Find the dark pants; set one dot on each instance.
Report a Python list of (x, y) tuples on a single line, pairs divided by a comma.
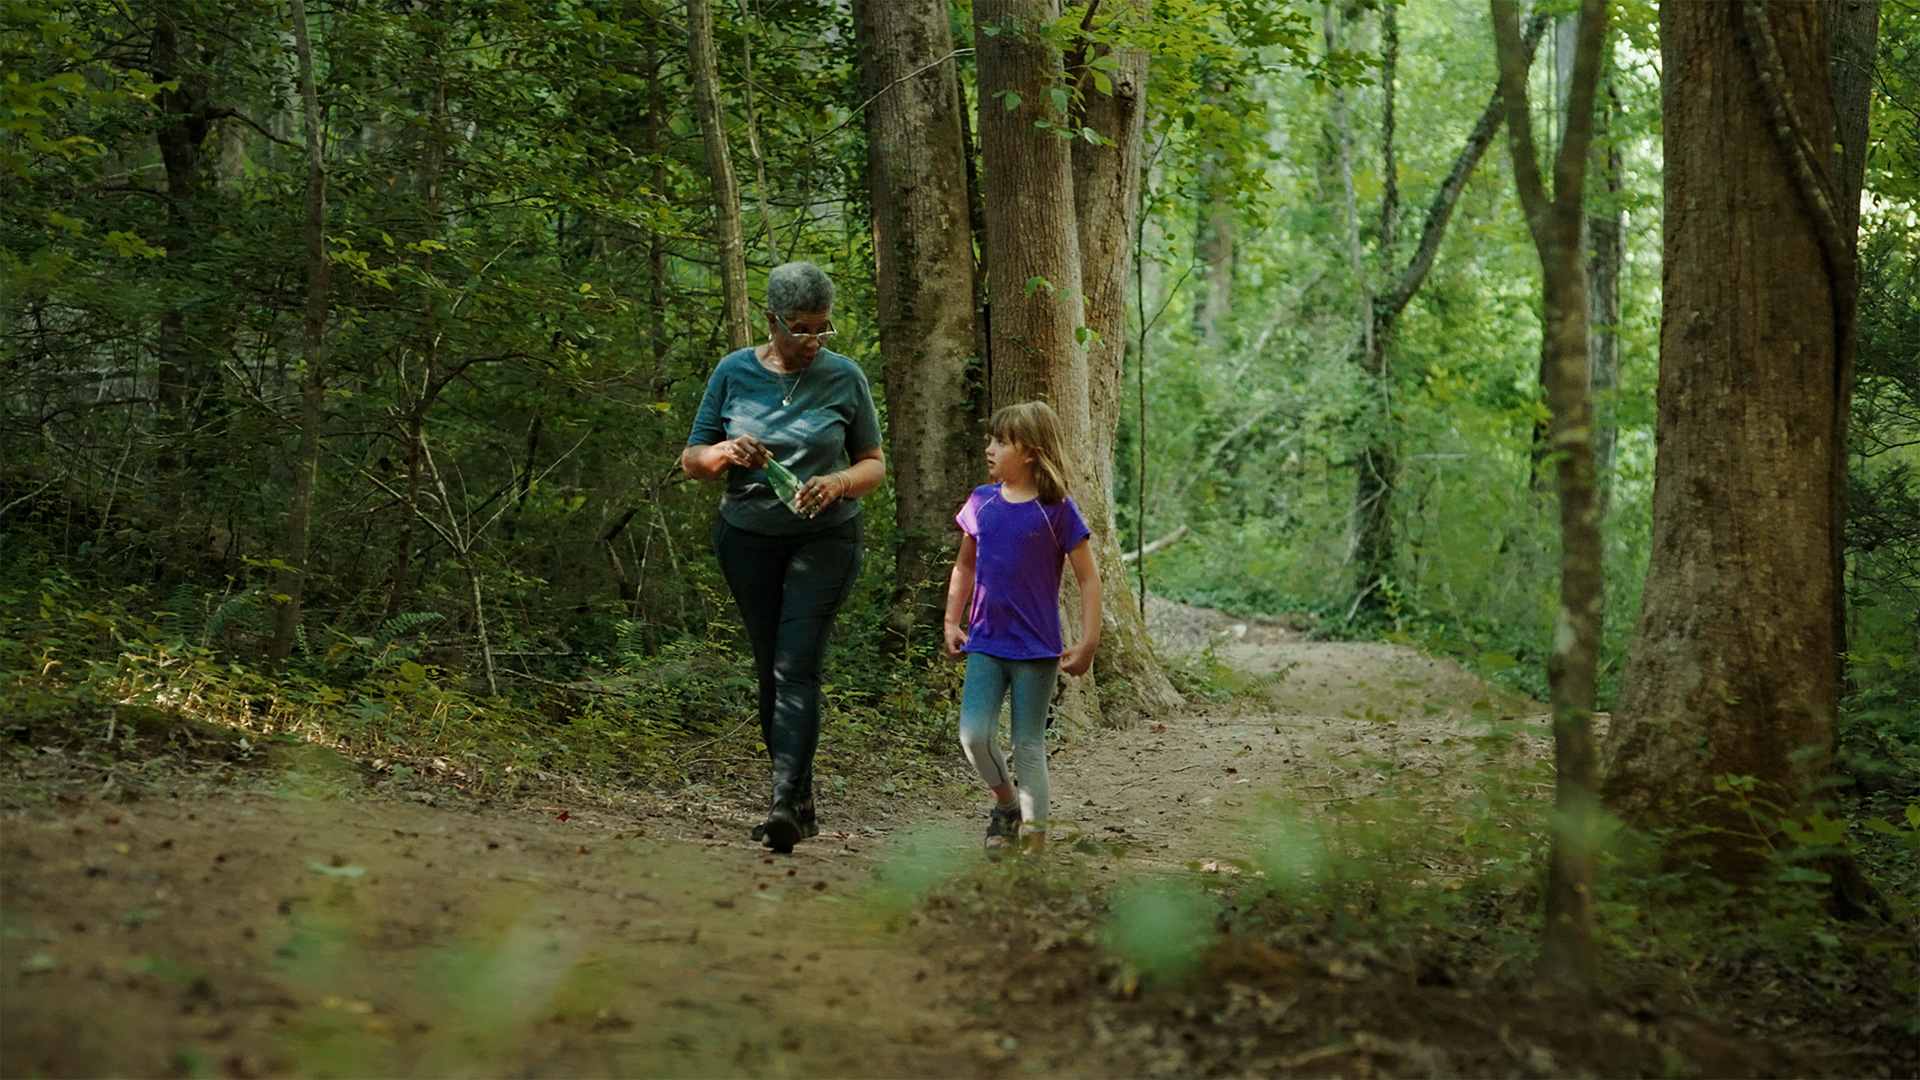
[(788, 589)]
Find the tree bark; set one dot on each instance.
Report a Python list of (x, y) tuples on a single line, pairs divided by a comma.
[(1568, 955), (924, 288), (195, 326), (1106, 195), (291, 580), (1731, 679), (184, 165), (1032, 249), (729, 236), (1035, 300)]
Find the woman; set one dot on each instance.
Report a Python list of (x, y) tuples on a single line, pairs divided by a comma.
[(789, 565)]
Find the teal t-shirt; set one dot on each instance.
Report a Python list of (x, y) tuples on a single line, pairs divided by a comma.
[(813, 423)]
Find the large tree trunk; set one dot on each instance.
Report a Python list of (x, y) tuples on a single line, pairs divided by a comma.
[(1106, 194), (729, 237), (292, 580), (1557, 221), (1035, 300), (924, 288), (1032, 250), (1732, 670)]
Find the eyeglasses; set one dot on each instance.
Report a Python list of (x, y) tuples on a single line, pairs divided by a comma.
[(804, 338)]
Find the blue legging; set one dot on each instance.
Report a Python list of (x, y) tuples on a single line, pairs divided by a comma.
[(788, 589), (989, 681)]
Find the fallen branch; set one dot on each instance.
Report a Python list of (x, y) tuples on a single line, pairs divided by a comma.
[(1136, 554)]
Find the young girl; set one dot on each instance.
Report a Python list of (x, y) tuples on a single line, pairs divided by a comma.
[(1018, 531)]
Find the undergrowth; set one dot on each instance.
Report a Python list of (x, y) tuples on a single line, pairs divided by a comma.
[(115, 678), (1440, 891)]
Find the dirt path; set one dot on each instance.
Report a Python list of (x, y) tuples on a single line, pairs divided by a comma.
[(256, 935)]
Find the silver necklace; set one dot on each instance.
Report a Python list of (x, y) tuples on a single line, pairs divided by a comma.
[(788, 388)]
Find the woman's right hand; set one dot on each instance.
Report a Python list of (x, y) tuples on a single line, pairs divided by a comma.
[(745, 451), (956, 641)]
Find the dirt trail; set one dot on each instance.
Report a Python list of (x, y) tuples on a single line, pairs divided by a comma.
[(254, 935)]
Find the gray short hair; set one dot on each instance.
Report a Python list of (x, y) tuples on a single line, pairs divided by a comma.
[(797, 287)]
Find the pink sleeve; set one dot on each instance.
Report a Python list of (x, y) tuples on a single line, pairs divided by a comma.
[(969, 516)]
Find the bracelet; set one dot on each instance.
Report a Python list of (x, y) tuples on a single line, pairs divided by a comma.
[(846, 484)]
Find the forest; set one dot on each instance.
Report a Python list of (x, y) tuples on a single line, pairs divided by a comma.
[(1498, 426)]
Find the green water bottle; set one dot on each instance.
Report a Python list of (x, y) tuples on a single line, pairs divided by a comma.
[(785, 484)]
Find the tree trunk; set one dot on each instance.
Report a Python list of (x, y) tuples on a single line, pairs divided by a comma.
[(1605, 243), (183, 163), (704, 70), (923, 285), (1035, 300), (1032, 250), (1731, 678), (1556, 221), (1106, 195), (413, 431), (1853, 32), (291, 581), (1606, 253), (194, 327), (1378, 463)]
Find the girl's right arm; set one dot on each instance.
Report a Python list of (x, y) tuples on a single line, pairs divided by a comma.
[(959, 594)]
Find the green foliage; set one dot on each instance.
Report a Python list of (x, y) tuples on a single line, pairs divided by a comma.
[(1160, 929), (1883, 491), (1453, 889)]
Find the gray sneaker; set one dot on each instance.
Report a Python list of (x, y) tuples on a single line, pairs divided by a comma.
[(1003, 828)]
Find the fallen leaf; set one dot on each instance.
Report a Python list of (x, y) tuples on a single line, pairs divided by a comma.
[(336, 871)]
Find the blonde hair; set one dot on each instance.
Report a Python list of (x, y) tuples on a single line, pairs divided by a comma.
[(1034, 426)]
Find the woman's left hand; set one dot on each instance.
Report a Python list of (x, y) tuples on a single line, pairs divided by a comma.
[(820, 492)]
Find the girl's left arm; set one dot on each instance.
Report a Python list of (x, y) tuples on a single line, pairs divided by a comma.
[(1079, 659)]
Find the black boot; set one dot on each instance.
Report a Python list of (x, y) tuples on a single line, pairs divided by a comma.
[(803, 813), (803, 816), (782, 828)]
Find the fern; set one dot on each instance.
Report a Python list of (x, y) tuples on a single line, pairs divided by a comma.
[(230, 609), (632, 639), (400, 625), (184, 608), (394, 658)]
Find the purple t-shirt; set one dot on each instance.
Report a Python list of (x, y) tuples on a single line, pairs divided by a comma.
[(1019, 551)]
